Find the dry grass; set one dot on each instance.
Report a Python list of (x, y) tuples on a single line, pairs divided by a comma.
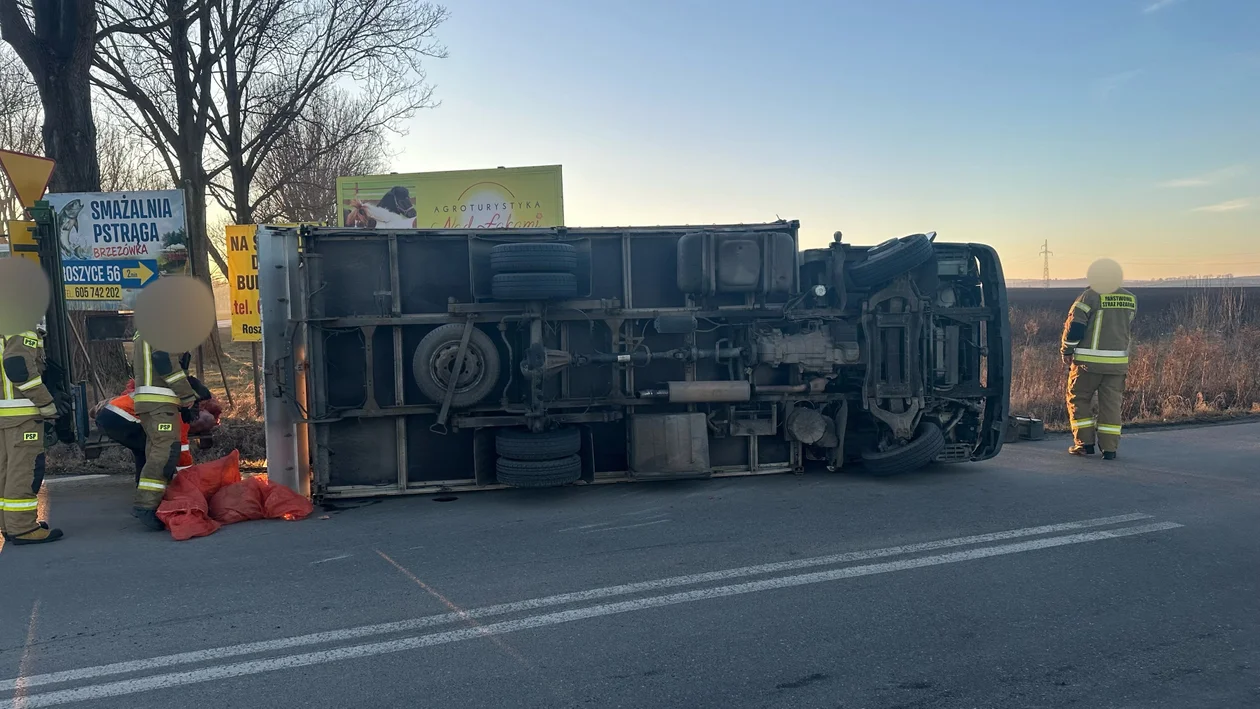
[(1197, 359)]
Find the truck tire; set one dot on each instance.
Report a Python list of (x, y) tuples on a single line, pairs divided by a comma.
[(434, 360), (533, 256), (927, 443), (539, 473), (521, 444), (891, 259), (534, 286)]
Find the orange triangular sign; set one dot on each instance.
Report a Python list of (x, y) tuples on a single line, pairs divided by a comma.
[(28, 174)]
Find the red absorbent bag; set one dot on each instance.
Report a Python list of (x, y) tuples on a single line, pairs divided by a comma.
[(184, 510), (214, 474), (283, 503), (240, 501)]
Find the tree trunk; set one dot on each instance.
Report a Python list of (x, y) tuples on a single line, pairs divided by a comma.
[(70, 130)]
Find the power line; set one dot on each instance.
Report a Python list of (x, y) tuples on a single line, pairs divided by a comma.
[(1045, 264)]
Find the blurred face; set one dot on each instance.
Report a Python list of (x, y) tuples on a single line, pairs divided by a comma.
[(1105, 276)]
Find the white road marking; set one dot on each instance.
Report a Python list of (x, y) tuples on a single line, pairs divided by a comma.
[(332, 558), (253, 667), (643, 512), (625, 526), (585, 526), (547, 601)]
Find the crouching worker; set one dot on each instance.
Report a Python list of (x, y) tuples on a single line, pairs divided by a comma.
[(162, 390), (25, 404), (118, 420)]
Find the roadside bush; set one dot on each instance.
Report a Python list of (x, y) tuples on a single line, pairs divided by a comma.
[(1199, 357)]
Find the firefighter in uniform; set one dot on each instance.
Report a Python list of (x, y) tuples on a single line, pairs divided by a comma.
[(162, 389), (25, 404), (119, 422), (1096, 340)]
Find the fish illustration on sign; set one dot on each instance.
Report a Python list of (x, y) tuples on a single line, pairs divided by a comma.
[(68, 218)]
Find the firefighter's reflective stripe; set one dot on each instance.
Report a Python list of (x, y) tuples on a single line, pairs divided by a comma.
[(1098, 321), (172, 378), (155, 395), (18, 407), (1108, 428), (1082, 423), (1097, 356), (31, 384), (1083, 307), (151, 484), (122, 414), (27, 505)]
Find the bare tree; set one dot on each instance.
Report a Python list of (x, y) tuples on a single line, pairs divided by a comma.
[(128, 163), (55, 39), (296, 181), (19, 122), (283, 61), (159, 80)]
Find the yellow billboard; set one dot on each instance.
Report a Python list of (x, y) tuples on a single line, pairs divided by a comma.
[(502, 198), (242, 261)]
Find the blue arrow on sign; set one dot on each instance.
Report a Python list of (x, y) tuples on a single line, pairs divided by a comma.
[(139, 273), (127, 273)]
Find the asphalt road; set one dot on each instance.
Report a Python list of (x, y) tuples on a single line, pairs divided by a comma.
[(1035, 580)]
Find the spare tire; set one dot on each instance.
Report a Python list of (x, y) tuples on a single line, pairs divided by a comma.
[(891, 259), (539, 473), (532, 257), (534, 286), (928, 442), (522, 444), (434, 362)]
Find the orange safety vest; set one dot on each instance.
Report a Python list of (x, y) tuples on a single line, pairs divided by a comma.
[(125, 406)]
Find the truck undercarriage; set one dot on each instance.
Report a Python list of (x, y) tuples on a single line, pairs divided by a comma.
[(417, 361)]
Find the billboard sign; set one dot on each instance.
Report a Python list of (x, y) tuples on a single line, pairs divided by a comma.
[(242, 261), (115, 243), (502, 198)]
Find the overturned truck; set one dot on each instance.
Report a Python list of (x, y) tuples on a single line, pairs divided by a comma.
[(427, 360)]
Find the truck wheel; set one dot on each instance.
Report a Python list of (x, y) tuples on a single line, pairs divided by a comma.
[(434, 363), (534, 286), (539, 473), (520, 444), (927, 443), (891, 259), (533, 256)]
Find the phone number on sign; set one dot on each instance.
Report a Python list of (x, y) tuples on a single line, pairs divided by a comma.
[(93, 292)]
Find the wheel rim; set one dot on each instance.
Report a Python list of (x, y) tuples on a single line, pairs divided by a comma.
[(442, 366)]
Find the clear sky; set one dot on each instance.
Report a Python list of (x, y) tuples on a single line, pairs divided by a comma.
[(1122, 128)]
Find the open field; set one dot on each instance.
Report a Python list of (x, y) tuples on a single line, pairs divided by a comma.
[(1150, 300), (1197, 354)]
